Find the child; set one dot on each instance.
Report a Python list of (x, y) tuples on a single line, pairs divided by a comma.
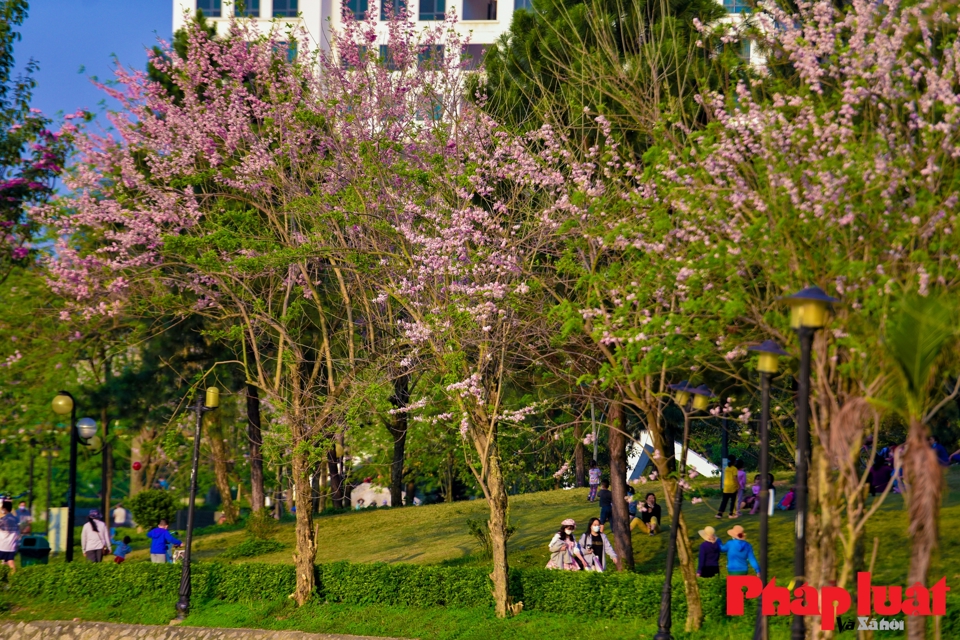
[(594, 480), (787, 503), (123, 548)]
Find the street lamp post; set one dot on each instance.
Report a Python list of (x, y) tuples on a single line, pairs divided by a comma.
[(64, 404), (770, 353), (808, 312), (202, 405), (33, 455), (701, 395)]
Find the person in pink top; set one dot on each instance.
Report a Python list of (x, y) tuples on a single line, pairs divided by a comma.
[(9, 535)]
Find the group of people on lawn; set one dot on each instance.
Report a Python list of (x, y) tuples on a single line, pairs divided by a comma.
[(592, 551)]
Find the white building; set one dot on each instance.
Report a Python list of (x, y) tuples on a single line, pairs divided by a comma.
[(482, 20)]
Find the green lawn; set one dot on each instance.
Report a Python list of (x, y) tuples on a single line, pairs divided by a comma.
[(438, 534)]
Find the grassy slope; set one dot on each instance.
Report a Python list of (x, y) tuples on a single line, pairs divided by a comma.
[(438, 533)]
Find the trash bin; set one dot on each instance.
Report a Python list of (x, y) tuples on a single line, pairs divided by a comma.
[(34, 549)]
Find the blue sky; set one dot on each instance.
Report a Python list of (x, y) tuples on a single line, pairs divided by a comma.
[(65, 36)]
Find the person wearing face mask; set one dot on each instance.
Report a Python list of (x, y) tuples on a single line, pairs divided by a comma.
[(596, 547), (565, 553)]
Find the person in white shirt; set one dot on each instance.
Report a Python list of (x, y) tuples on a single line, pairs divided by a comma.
[(9, 534), (95, 538), (119, 516)]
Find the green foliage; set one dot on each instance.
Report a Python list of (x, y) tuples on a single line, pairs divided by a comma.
[(480, 530), (252, 547), (261, 525), (611, 594), (151, 506)]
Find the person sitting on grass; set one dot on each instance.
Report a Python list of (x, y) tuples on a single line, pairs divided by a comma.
[(649, 512), (159, 539), (123, 548), (786, 504), (739, 553)]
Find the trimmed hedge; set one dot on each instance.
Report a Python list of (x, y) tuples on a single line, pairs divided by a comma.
[(611, 594)]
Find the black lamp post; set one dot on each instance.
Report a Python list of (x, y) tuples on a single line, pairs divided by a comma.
[(33, 455), (770, 353), (701, 400), (808, 312), (211, 402), (64, 404)]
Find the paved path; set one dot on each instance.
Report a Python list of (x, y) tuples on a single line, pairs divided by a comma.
[(61, 630)]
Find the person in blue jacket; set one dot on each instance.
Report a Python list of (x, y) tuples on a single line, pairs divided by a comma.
[(159, 539), (739, 553)]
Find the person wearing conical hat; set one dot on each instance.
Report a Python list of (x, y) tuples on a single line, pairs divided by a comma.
[(739, 553), (709, 565)]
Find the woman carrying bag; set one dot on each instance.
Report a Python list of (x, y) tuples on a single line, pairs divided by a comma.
[(94, 538), (565, 553), (596, 547)]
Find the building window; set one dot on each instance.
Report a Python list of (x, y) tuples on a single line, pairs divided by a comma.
[(248, 8), (745, 50), (430, 56), (395, 6), (386, 58), (522, 4), (473, 55), (210, 8), (358, 8), (285, 8), (736, 6), (433, 9), (479, 9)]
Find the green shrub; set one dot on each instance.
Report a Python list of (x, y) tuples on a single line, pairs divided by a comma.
[(261, 525), (612, 595), (252, 547), (151, 506)]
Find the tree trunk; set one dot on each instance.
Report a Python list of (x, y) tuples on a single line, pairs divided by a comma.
[(315, 488), (306, 546), (448, 478), (106, 473), (255, 437), (218, 450), (398, 429), (579, 466), (618, 486), (336, 479), (498, 531), (925, 478), (278, 495), (688, 561)]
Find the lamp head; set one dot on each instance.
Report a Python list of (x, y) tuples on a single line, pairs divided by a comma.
[(86, 428), (701, 397), (808, 308), (681, 393), (62, 404), (212, 400), (770, 353)]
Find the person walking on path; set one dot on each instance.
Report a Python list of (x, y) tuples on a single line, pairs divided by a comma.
[(565, 553), (95, 538), (594, 480), (9, 535), (730, 486), (596, 547), (123, 548), (739, 553), (159, 538), (709, 563), (606, 503), (649, 512)]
